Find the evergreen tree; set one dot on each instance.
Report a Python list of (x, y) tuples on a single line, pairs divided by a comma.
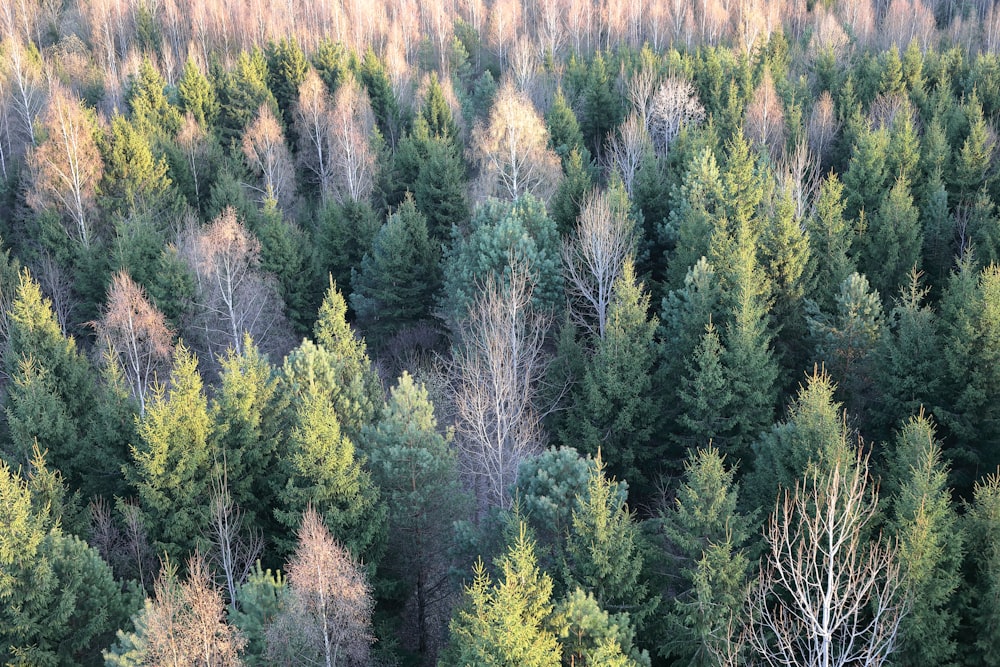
[(436, 113), (590, 636), (705, 399), (416, 469), (343, 234), (604, 551), (696, 211), (706, 537), (399, 277), (173, 461), (982, 524), (565, 136), (565, 204), (930, 545), (286, 70), (614, 408), (505, 623), (373, 75), (829, 243), (152, 113), (889, 247), (866, 175), (602, 109), (972, 162), (197, 95), (133, 178), (242, 91)]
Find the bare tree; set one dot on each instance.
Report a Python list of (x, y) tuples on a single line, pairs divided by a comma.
[(823, 126), (593, 258), (503, 26), (495, 374), (675, 105), (186, 622), (828, 594), (764, 123), (328, 619), (512, 149), (313, 123), (67, 166), (625, 148), (24, 91), (799, 173), (640, 89), (134, 336), (234, 297), (353, 159), (235, 546), (191, 138), (268, 157)]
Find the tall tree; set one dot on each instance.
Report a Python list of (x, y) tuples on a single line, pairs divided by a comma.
[(512, 150), (417, 471), (66, 168), (505, 622), (329, 613), (982, 522), (173, 462), (707, 537), (930, 545), (352, 126), (269, 159)]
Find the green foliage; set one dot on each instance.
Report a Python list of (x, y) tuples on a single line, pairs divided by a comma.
[(174, 462), (399, 277), (286, 70), (982, 524), (152, 113), (262, 598), (504, 623), (133, 178), (706, 538), (343, 234), (705, 398), (197, 95), (331, 61), (604, 551), (930, 545), (590, 636), (696, 210), (829, 242), (890, 243), (241, 92), (572, 191), (502, 235), (565, 136), (613, 408)]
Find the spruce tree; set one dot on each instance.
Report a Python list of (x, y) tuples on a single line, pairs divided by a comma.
[(982, 525), (829, 242), (930, 545), (890, 247), (197, 95)]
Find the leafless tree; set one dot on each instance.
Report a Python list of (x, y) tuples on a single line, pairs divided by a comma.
[(764, 123), (675, 105), (67, 166), (859, 16), (829, 595), (512, 149), (828, 34), (24, 91), (313, 124), (191, 138), (235, 546), (234, 297), (503, 26), (799, 173), (134, 336), (625, 148), (268, 158), (353, 159), (886, 107), (56, 282), (523, 64), (186, 622), (640, 89), (906, 21), (328, 619), (823, 126), (593, 258), (496, 372)]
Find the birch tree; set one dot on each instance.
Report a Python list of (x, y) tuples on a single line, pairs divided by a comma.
[(353, 164), (268, 157)]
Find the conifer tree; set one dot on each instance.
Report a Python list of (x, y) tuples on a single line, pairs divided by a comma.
[(399, 277), (829, 242), (173, 461), (889, 249), (152, 113), (696, 211), (565, 205), (705, 398), (982, 524), (504, 623), (614, 408), (589, 635), (706, 537), (197, 95), (930, 545)]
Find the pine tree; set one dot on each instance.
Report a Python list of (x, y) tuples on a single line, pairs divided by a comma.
[(930, 545), (706, 537), (504, 623), (174, 463), (589, 635), (416, 469), (399, 277)]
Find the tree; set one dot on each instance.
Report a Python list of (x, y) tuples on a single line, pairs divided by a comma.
[(889, 248), (590, 636), (604, 550), (417, 471), (134, 336), (269, 159), (313, 124), (707, 538), (495, 375), (353, 158), (505, 238), (625, 149), (614, 408), (328, 616), (133, 179), (594, 259), (764, 120), (512, 152), (930, 545), (173, 461), (829, 243), (241, 92), (505, 623), (828, 594), (675, 105), (398, 278), (982, 520), (67, 166), (704, 396), (152, 113), (233, 296)]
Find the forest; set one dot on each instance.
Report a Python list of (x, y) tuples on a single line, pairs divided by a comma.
[(500, 332)]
